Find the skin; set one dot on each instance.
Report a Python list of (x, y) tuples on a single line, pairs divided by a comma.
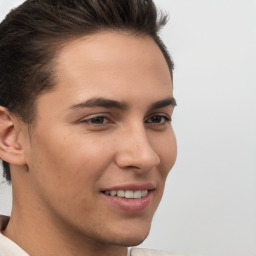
[(67, 158)]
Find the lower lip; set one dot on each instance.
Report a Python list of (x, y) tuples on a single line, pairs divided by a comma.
[(130, 205)]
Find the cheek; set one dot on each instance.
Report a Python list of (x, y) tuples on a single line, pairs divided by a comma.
[(65, 160), (171, 154), (166, 148), (65, 172)]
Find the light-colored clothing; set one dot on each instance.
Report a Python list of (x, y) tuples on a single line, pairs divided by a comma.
[(150, 252), (9, 248)]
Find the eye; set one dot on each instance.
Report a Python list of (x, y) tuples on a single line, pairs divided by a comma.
[(96, 120), (158, 119)]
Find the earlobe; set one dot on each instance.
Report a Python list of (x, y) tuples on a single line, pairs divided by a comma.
[(11, 150)]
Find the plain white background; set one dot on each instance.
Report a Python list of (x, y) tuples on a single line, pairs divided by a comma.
[(209, 205)]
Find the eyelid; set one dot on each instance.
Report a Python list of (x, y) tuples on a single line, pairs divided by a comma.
[(167, 120), (88, 118), (159, 114)]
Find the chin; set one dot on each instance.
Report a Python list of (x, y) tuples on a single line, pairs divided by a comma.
[(132, 238), (128, 241)]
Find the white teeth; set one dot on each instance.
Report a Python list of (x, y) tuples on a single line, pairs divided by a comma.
[(144, 193), (113, 193), (137, 194), (120, 193), (128, 193)]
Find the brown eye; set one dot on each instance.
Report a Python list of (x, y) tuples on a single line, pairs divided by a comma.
[(97, 120), (158, 119)]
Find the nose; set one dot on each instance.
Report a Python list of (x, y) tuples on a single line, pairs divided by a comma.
[(136, 152)]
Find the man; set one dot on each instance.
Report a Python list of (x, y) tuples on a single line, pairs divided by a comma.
[(85, 125)]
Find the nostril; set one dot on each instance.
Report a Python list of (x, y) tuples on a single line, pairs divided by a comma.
[(131, 161), (132, 167)]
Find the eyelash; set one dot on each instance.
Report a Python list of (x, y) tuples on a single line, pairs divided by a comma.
[(164, 119), (89, 120)]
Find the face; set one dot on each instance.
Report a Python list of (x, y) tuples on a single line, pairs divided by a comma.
[(103, 144)]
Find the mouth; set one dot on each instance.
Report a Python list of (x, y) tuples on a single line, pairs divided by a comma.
[(129, 199), (129, 194)]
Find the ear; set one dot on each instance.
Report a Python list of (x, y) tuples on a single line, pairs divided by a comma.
[(10, 148)]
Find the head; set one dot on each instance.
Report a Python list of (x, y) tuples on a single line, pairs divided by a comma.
[(33, 34), (86, 87)]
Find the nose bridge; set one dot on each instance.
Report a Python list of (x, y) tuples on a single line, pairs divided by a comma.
[(136, 150)]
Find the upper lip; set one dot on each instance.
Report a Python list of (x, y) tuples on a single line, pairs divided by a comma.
[(133, 187)]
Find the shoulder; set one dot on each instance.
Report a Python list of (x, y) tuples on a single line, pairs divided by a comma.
[(151, 252)]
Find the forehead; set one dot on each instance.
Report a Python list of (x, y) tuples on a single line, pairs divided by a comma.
[(109, 44), (108, 49), (113, 56)]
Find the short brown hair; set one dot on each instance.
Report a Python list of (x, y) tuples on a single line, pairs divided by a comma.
[(32, 34)]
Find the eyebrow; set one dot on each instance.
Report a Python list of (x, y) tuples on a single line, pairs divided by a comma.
[(101, 102), (164, 103), (108, 103)]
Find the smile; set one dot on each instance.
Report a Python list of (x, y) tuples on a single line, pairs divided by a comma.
[(130, 199), (127, 193)]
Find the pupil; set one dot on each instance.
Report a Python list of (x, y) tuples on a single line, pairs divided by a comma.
[(156, 119), (98, 120)]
